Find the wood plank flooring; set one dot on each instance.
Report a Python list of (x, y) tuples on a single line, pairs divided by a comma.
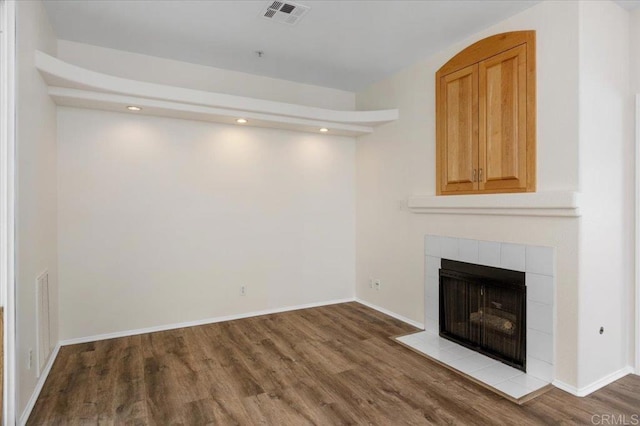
[(331, 365)]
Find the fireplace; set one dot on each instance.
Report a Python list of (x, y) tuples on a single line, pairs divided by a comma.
[(484, 309)]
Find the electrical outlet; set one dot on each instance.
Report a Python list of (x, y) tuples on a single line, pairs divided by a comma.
[(243, 290), (377, 284), (30, 360)]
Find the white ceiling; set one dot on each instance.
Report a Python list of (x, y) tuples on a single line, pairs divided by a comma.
[(629, 4), (341, 44)]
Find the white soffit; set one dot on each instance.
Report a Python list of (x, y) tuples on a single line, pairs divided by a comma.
[(70, 85)]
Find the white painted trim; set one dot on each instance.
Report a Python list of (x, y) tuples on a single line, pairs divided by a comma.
[(205, 321), (391, 314), (214, 320), (637, 235), (550, 203), (36, 392), (598, 384), (104, 90), (7, 203), (565, 387)]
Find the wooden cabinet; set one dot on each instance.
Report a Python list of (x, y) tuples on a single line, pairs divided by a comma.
[(486, 117), (459, 123)]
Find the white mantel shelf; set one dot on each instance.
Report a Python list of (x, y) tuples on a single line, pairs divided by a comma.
[(552, 203), (70, 85)]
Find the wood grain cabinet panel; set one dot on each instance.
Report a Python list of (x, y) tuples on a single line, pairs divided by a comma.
[(460, 129), (485, 117), (503, 114)]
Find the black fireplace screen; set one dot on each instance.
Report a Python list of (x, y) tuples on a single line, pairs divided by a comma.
[(484, 309)]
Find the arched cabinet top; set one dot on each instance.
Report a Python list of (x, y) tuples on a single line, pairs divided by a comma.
[(486, 48), (486, 117)]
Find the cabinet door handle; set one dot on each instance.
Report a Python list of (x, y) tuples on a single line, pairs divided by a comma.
[(473, 176), (480, 175)]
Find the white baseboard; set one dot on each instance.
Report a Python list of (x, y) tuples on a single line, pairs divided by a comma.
[(586, 390), (36, 392), (566, 387), (214, 320), (205, 321), (391, 314)]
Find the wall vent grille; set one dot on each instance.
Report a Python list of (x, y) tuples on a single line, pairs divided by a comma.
[(285, 12), (43, 319)]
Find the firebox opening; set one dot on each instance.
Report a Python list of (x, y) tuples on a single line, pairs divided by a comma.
[(484, 309)]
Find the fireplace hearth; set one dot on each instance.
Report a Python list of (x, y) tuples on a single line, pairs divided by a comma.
[(484, 309)]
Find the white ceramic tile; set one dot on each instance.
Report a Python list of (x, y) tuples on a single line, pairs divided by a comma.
[(422, 336), (539, 346), (530, 382), (439, 354), (449, 248), (540, 317), (442, 349), (425, 348), (539, 260), (472, 363), (448, 356), (539, 288), (432, 245), (489, 254), (435, 348), (468, 250), (495, 373), (539, 369), (512, 389), (460, 351), (512, 256), (430, 337), (431, 266), (439, 342), (407, 340), (432, 286), (432, 325), (432, 307)]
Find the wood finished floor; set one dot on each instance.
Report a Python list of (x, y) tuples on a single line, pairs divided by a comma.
[(325, 366)]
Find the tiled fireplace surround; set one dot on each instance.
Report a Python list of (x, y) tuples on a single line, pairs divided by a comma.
[(538, 264)]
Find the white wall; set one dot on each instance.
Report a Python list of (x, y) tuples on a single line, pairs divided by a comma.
[(165, 71), (634, 50), (161, 220), (607, 186), (398, 160), (36, 193)]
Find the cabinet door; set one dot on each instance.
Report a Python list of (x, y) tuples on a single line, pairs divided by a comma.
[(457, 131), (503, 121)]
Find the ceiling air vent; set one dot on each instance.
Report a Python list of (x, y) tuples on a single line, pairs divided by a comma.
[(285, 12)]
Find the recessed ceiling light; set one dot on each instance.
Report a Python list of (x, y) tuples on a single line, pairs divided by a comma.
[(324, 130), (241, 121), (134, 108)]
